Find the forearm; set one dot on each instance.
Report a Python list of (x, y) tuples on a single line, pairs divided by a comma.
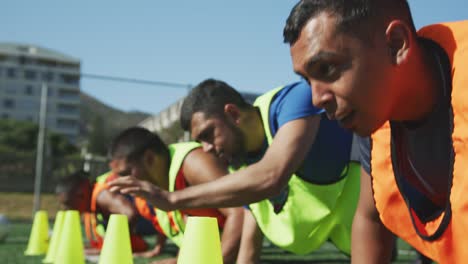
[(117, 204), (246, 186), (372, 243), (161, 240), (159, 245), (125, 208), (231, 235), (251, 241), (132, 216)]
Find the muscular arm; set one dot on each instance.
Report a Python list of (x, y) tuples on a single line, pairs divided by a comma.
[(258, 181), (115, 203), (261, 180), (199, 168), (251, 242), (371, 241)]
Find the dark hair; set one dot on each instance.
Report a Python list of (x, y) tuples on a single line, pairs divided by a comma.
[(75, 180), (131, 143), (359, 17), (209, 97)]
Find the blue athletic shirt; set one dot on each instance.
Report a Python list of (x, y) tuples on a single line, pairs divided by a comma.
[(330, 152)]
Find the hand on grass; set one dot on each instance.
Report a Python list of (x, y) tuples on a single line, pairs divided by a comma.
[(150, 253), (165, 261), (92, 251)]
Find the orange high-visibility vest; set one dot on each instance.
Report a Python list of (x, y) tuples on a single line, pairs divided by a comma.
[(94, 221), (443, 238), (147, 211)]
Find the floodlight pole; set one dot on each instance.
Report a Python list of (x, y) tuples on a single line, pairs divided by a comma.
[(40, 149)]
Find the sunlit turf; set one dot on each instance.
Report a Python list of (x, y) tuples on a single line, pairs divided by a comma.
[(11, 251)]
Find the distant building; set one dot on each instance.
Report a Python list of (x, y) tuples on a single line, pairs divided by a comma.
[(170, 115), (23, 69)]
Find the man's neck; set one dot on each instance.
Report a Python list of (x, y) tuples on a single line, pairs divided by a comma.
[(418, 93), (254, 131), (161, 174)]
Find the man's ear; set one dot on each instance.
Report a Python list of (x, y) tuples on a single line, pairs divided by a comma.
[(400, 39), (233, 112)]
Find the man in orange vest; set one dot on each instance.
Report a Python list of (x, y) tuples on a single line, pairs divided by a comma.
[(406, 91), (95, 204)]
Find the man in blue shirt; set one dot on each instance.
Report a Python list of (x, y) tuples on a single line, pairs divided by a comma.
[(300, 183)]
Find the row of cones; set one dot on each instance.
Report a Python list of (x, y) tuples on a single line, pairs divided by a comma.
[(201, 240), (66, 245)]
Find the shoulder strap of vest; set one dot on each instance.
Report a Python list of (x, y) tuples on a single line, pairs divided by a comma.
[(172, 224), (93, 234), (97, 188), (263, 103), (178, 152), (98, 219), (102, 178)]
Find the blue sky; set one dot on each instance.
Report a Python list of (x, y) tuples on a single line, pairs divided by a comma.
[(182, 41)]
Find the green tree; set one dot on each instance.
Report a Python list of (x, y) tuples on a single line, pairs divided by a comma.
[(60, 146), (99, 137), (21, 136), (18, 135)]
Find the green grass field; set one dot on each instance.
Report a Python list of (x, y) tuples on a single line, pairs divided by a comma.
[(17, 207), (11, 251)]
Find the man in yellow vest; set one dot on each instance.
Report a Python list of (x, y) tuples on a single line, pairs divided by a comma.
[(301, 190), (149, 162), (406, 90)]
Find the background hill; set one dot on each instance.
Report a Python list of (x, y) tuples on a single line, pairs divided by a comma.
[(99, 122)]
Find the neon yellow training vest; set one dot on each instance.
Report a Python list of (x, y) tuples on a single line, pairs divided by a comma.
[(178, 152), (312, 213)]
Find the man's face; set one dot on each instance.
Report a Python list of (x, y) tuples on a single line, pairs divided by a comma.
[(136, 168), (220, 136), (349, 79), (75, 199)]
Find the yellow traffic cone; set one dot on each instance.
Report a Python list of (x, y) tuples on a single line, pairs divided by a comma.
[(39, 237), (70, 248), (54, 240), (117, 248), (201, 243)]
